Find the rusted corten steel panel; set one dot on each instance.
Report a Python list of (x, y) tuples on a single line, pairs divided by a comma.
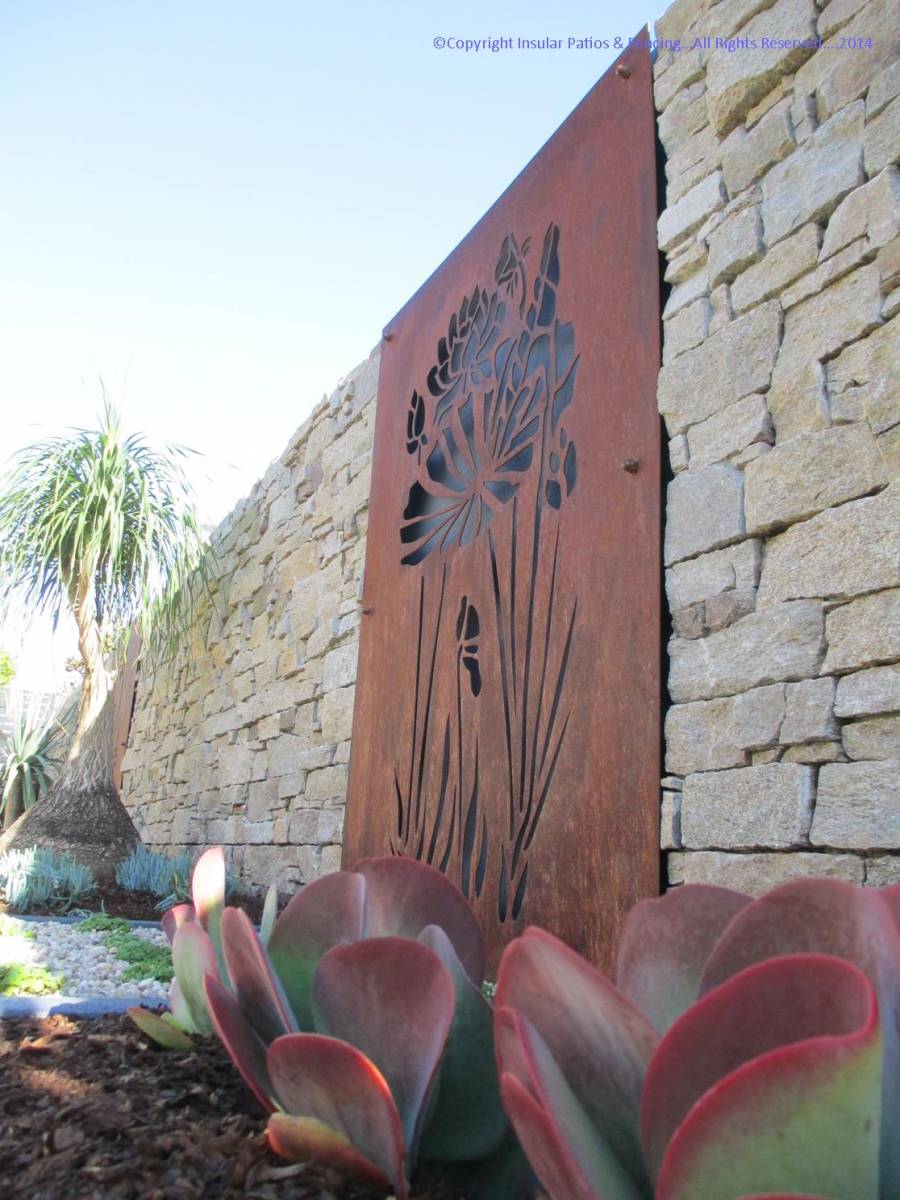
[(507, 721)]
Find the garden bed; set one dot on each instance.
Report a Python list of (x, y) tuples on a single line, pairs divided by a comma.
[(89, 1111), (117, 901)]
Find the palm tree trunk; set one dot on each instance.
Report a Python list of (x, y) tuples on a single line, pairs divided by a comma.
[(81, 813)]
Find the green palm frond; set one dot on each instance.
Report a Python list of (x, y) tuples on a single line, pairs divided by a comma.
[(113, 512)]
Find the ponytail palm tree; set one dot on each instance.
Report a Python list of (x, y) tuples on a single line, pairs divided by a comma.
[(101, 526)]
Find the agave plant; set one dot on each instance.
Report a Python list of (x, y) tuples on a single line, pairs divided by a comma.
[(357, 1018), (30, 764), (750, 1049)]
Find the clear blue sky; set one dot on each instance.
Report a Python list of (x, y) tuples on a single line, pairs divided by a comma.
[(217, 206)]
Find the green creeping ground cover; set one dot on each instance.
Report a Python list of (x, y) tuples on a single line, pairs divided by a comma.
[(11, 928), (21, 979), (146, 961)]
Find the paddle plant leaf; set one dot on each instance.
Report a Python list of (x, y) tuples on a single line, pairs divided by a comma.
[(158, 1029), (193, 957), (245, 1047), (393, 1000), (326, 913), (339, 1109), (208, 895), (467, 1120), (829, 916), (404, 896), (599, 1041), (176, 916), (256, 986), (664, 946), (771, 1081)]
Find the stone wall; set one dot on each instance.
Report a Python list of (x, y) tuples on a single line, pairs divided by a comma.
[(780, 397), (244, 739), (779, 391)]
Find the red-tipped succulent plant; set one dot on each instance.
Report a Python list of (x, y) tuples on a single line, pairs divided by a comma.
[(359, 1023), (750, 1049)]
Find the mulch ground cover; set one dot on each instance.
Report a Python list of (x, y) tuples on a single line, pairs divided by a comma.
[(134, 906), (89, 1111)]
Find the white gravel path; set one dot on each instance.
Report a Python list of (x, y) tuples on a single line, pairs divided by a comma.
[(89, 968)]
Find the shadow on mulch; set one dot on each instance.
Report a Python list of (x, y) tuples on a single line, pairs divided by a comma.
[(89, 1111)]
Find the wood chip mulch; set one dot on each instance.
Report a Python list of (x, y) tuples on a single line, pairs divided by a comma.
[(90, 1111)]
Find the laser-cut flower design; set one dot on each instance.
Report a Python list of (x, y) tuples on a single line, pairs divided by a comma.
[(468, 628), (510, 269), (471, 473), (415, 424), (465, 355)]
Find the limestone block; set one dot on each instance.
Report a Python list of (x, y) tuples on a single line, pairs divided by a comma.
[(882, 870), (685, 261), (781, 642), (677, 19), (872, 738), (727, 432), (728, 607), (735, 82), (883, 89), (876, 690), (811, 182), (683, 118), (862, 380), (670, 821), (262, 799), (704, 510), (783, 263), (695, 286), (735, 362), (882, 139), (837, 78), (769, 806), (340, 666), (858, 806), (757, 716), (688, 213), (734, 245), (686, 329), (698, 737), (686, 68), (827, 273), (328, 783), (757, 873), (841, 552), (695, 161), (689, 622), (283, 753), (719, 571), (814, 753), (809, 712), (747, 156), (872, 212), (810, 472), (837, 14), (235, 764), (864, 632), (336, 714), (330, 825), (678, 453), (722, 313), (814, 329)]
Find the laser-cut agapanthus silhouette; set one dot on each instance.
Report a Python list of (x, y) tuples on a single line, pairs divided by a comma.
[(487, 422)]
